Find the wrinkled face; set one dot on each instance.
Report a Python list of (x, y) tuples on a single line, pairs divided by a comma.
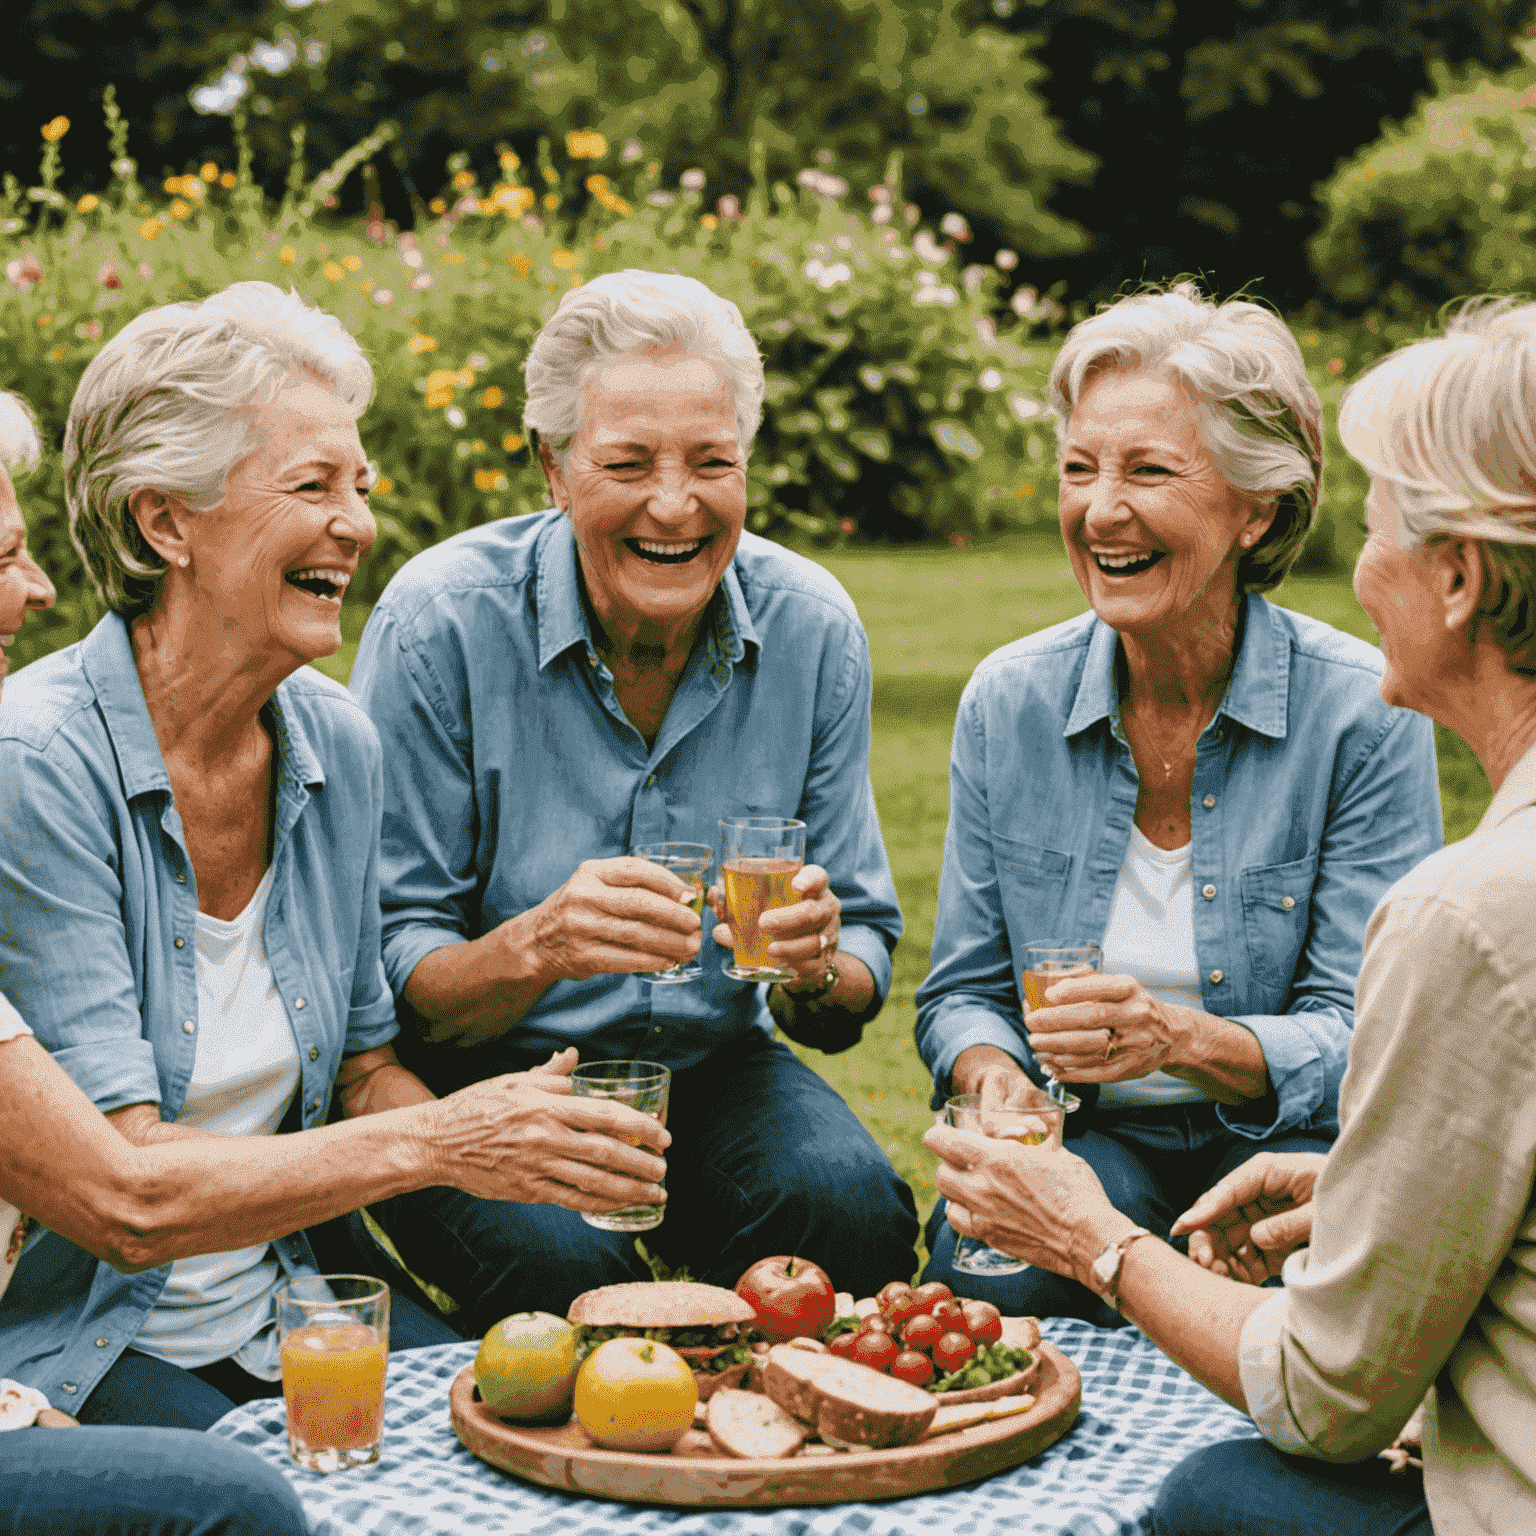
[(23, 586), (273, 561), (655, 487), (1150, 526)]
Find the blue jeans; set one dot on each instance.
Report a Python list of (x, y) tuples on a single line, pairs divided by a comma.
[(139, 1482), (140, 1390), (1154, 1164), (1248, 1488), (765, 1159)]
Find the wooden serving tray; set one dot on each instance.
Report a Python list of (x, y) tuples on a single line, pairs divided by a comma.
[(565, 1459)]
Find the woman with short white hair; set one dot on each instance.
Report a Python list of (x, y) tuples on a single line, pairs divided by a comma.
[(1205, 786), (189, 912), (1409, 1252)]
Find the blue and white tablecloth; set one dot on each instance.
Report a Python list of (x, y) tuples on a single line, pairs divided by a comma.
[(1141, 1416)]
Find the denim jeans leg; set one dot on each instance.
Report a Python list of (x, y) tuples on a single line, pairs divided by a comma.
[(1248, 1488), (140, 1482), (140, 1390)]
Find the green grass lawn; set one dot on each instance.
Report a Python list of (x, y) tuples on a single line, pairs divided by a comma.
[(932, 614)]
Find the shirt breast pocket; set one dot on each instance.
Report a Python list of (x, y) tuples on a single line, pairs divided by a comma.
[(1277, 899), (1032, 886)]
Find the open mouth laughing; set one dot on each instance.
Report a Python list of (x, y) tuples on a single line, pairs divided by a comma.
[(320, 581), (660, 552), (1126, 562)]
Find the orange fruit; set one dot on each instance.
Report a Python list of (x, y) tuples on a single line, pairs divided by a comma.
[(635, 1395), (526, 1368)]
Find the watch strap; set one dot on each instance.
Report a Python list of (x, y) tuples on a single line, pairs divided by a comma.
[(1106, 1268)]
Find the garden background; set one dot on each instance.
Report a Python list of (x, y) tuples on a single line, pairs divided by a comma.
[(909, 199)]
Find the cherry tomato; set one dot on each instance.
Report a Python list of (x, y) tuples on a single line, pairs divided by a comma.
[(983, 1322), (902, 1307), (947, 1311), (888, 1293), (842, 1345), (922, 1331), (935, 1290), (914, 1366), (877, 1324), (877, 1350), (952, 1351)]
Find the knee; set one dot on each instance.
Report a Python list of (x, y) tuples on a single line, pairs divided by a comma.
[(242, 1495), (1187, 1504)]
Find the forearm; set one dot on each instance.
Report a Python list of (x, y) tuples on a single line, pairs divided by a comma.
[(373, 1082), (1220, 1058), (852, 1002), (473, 993)]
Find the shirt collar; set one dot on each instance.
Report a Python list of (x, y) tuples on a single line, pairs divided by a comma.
[(562, 619), (1256, 695), (1516, 793)]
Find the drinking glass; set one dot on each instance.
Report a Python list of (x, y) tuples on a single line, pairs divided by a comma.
[(333, 1331), (643, 1085), (759, 856), (690, 862), (1044, 965), (1028, 1116)]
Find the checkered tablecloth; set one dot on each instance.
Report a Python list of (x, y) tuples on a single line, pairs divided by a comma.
[(1141, 1416)]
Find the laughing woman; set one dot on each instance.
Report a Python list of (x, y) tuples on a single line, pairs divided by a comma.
[(1207, 787)]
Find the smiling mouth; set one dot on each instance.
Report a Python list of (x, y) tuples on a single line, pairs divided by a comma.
[(657, 552), (321, 581), (1126, 565)]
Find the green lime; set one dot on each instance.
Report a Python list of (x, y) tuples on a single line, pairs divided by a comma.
[(526, 1368)]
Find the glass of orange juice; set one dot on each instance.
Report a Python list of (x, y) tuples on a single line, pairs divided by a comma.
[(335, 1346), (759, 856)]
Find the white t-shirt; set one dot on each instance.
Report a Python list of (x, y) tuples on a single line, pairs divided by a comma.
[(11, 1025), (1151, 936), (245, 1074)]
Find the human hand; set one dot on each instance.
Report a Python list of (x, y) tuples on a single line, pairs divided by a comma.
[(53, 1418), (804, 936), (1106, 1029), (614, 917), (524, 1137), (991, 1072), (1408, 1449), (1248, 1224)]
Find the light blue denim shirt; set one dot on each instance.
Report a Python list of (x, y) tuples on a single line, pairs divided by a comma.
[(508, 761), (98, 918), (1311, 797)]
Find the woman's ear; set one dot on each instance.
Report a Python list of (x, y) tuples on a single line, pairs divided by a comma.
[(555, 477), (1460, 581), (164, 523), (1260, 515)]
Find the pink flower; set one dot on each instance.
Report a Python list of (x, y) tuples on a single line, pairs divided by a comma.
[(376, 230), (145, 270), (23, 271), (108, 277), (847, 525), (1335, 364), (960, 540)]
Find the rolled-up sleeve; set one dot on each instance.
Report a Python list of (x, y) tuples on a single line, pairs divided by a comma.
[(371, 1015)]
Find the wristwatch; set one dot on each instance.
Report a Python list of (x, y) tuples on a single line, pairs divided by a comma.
[(1106, 1268), (827, 984)]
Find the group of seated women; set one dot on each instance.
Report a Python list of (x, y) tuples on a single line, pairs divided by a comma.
[(297, 975)]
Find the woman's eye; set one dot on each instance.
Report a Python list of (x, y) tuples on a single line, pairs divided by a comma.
[(313, 485), (1150, 469), (1074, 467)]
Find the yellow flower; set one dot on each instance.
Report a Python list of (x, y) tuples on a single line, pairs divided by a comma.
[(334, 271), (150, 228), (209, 172), (550, 175), (441, 378), (421, 344), (511, 442), (492, 398), (58, 354), (520, 262), (352, 263), (652, 167), (465, 378), (586, 146), (383, 486), (181, 210), (227, 180), (89, 203), (566, 261), (709, 221), (551, 201), (490, 480), (479, 446), (45, 320), (1026, 491), (287, 255), (598, 243), (55, 130), (509, 161), (437, 205), (464, 180), (437, 398), (512, 200), (455, 258)]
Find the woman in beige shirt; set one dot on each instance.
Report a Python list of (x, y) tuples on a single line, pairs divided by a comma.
[(1420, 1275)]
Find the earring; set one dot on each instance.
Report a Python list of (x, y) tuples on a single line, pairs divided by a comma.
[(184, 561), (1246, 540)]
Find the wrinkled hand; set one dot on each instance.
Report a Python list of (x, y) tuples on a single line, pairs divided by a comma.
[(614, 917), (1106, 1029), (1249, 1224), (991, 1072), (1024, 1201), (52, 1418), (804, 935), (1408, 1449), (523, 1137)]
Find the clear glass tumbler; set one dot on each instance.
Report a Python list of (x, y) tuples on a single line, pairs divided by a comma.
[(643, 1085), (759, 856), (1044, 965), (691, 863)]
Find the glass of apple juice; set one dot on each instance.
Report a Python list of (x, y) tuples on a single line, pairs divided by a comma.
[(759, 856), (334, 1332)]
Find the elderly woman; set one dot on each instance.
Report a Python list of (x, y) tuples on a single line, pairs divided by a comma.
[(558, 689), (1207, 787), (188, 882), (1421, 1271)]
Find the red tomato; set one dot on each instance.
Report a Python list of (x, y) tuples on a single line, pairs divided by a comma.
[(874, 1323), (935, 1290), (983, 1322), (842, 1345), (889, 1292), (914, 1366), (922, 1331), (876, 1350), (952, 1351), (947, 1311), (793, 1298), (902, 1307)]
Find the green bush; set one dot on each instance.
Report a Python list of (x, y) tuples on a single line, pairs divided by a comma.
[(896, 404), (1442, 204)]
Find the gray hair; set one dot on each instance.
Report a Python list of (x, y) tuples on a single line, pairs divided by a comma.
[(622, 313), (1449, 425), (160, 407), (21, 444), (1260, 418)]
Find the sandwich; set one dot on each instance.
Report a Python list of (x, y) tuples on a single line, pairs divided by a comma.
[(710, 1327)]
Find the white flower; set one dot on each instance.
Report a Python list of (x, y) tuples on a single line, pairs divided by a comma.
[(422, 280), (383, 296), (730, 207), (823, 182), (880, 214), (23, 271), (692, 180), (478, 361), (898, 253), (1006, 260), (841, 272), (454, 416), (929, 248), (1023, 302), (986, 331), (954, 225), (1025, 408), (632, 150), (662, 199), (990, 378), (814, 268), (880, 193), (935, 294), (412, 258), (467, 205), (971, 277), (843, 242)]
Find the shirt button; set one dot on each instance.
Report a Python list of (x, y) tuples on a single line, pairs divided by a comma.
[(314, 1053), (188, 1027), (181, 943), (101, 1343), (1287, 902), (314, 1104), (1209, 892), (298, 1002), (68, 1386), (1209, 802), (1217, 977)]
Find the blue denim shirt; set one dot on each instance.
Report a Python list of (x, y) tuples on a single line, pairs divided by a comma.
[(1311, 797), (98, 915), (508, 761)]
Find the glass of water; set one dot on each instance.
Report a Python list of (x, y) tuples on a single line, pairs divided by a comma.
[(643, 1085), (691, 863)]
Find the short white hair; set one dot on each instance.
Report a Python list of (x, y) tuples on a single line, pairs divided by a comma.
[(624, 313), (1260, 418), (160, 407), (21, 444), (1449, 425)]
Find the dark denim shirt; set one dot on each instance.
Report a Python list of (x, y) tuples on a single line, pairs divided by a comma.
[(98, 919), (508, 761), (1311, 797)]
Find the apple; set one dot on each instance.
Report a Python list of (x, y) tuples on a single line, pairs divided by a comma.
[(793, 1298)]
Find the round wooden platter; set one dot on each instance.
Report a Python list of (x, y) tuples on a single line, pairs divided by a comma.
[(566, 1460)]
